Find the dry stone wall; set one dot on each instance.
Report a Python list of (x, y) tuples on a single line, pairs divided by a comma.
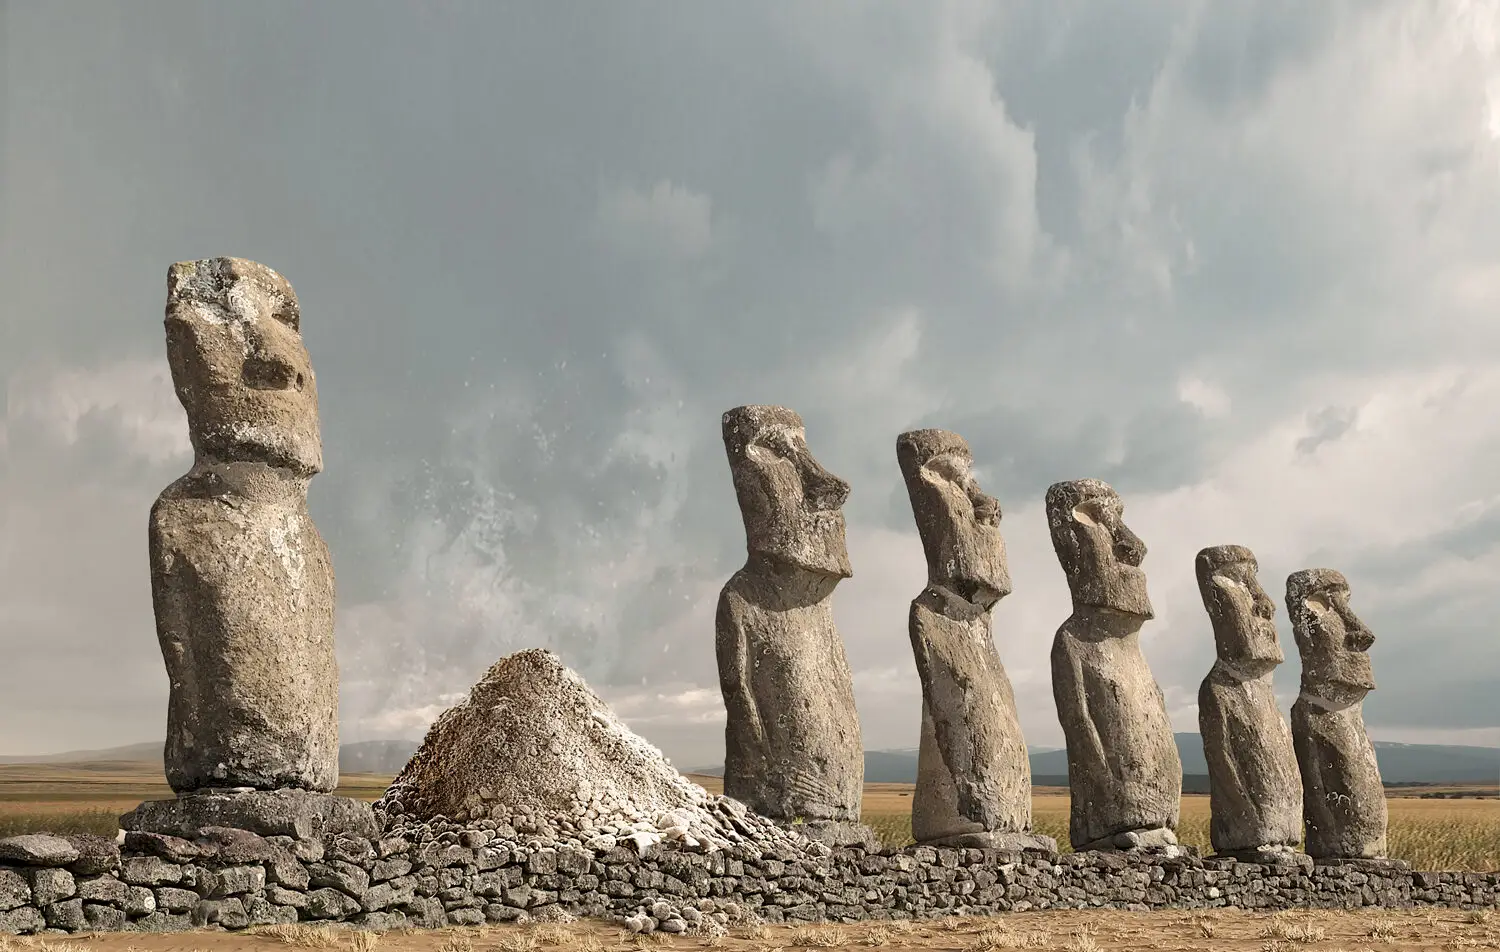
[(441, 876)]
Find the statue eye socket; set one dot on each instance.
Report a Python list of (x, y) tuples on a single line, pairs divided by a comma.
[(1090, 513), (288, 314)]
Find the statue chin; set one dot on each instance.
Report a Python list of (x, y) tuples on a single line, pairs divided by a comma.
[(821, 558), (982, 592)]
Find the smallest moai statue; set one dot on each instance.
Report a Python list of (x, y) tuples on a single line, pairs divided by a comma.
[(1342, 796), (1255, 792)]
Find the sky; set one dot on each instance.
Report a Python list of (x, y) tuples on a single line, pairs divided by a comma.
[(1240, 259)]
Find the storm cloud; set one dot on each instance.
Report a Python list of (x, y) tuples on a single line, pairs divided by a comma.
[(1237, 258)]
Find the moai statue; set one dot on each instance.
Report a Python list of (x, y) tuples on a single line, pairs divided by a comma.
[(1342, 797), (241, 581), (973, 771), (1124, 771), (792, 742), (1255, 792)]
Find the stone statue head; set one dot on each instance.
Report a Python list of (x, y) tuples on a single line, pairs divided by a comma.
[(1099, 554), (959, 524), (1330, 638), (1243, 615), (234, 344), (792, 506)]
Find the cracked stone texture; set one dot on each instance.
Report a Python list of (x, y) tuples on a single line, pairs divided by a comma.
[(301, 814), (792, 738), (1255, 788), (241, 581), (1123, 768), (1342, 796), (973, 772)]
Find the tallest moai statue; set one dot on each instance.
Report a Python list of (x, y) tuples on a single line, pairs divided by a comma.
[(792, 740), (240, 579)]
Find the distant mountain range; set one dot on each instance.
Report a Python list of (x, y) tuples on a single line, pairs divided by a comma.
[(372, 756), (1399, 763)]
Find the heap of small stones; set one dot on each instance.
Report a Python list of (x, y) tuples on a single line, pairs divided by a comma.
[(534, 756)]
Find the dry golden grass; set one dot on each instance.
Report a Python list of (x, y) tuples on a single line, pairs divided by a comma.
[(88, 798), (1430, 834)]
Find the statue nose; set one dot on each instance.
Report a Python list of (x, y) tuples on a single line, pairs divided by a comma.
[(986, 509), (1128, 547), (824, 490), (1359, 637)]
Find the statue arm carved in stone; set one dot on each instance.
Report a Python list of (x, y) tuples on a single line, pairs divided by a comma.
[(744, 714)]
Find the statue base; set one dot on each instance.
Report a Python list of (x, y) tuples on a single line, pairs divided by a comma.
[(1379, 865), (1285, 856), (1009, 842), (836, 833), (1159, 842), (301, 814)]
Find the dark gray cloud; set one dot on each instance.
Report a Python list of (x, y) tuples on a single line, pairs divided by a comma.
[(540, 250)]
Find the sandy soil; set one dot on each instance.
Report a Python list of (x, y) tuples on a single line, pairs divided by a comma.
[(1066, 931)]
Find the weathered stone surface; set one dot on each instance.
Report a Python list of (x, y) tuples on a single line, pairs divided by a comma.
[(533, 745), (14, 890), (973, 774), (99, 918), (52, 885), (1123, 768), (1342, 796), (296, 813), (229, 913), (37, 849), (96, 854), (241, 847), (139, 901), (149, 871), (330, 903), (173, 849), (67, 915), (1255, 789), (104, 888), (21, 921), (162, 922), (793, 745), (241, 581)]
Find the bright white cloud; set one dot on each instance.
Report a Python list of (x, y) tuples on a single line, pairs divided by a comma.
[(134, 394)]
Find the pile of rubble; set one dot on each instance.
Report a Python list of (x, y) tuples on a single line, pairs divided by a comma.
[(534, 755)]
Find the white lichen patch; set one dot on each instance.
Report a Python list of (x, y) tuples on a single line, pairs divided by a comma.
[(286, 537)]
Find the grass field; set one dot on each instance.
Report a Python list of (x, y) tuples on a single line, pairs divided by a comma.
[(89, 798), (1433, 834)]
